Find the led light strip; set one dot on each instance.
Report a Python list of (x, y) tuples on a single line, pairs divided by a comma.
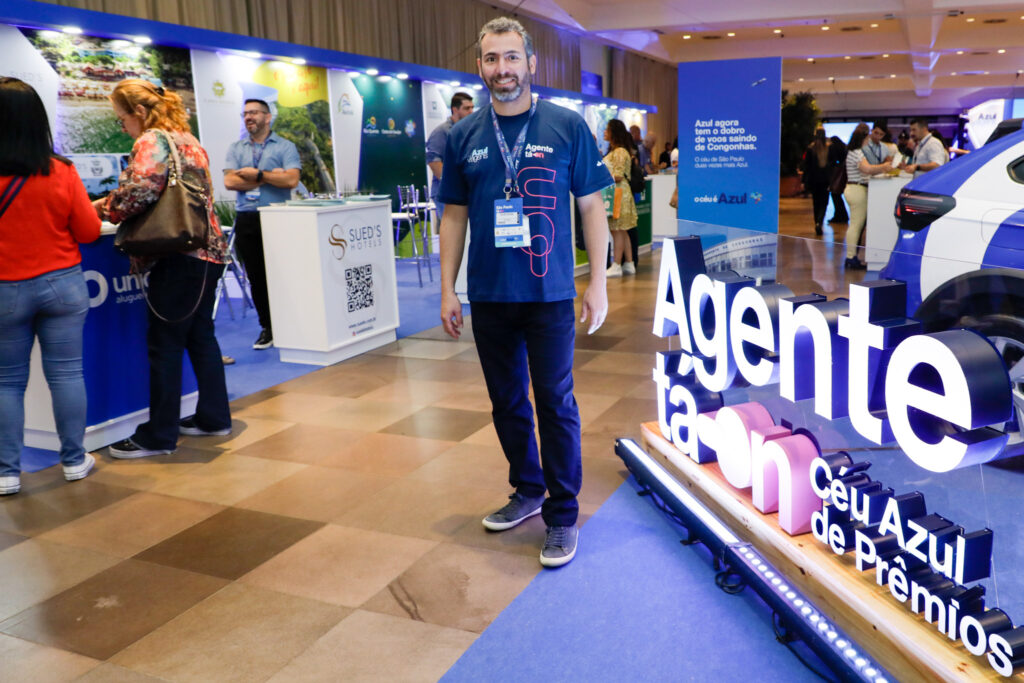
[(826, 639)]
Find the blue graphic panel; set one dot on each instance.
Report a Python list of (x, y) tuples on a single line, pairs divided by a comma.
[(729, 118)]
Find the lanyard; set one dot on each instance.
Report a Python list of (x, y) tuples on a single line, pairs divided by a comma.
[(511, 159), (256, 157), (920, 146)]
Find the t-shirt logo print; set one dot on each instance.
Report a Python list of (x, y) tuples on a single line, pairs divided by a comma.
[(542, 230)]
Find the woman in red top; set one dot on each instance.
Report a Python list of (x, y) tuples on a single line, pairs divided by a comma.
[(181, 288), (45, 215)]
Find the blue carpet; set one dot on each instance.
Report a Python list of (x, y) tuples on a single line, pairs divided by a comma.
[(633, 605), (418, 310)]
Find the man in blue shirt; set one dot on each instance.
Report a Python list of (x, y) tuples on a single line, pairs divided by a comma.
[(509, 170), (262, 168), (462, 106)]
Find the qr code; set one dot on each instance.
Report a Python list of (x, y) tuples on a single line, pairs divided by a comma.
[(359, 286)]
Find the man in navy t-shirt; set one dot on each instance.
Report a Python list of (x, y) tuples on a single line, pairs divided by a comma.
[(509, 169)]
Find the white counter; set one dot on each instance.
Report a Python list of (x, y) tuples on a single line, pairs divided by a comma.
[(331, 279), (881, 230)]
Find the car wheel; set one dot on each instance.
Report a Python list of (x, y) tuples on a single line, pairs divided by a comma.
[(1007, 334)]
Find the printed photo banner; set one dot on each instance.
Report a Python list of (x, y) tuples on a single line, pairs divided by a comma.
[(298, 99)]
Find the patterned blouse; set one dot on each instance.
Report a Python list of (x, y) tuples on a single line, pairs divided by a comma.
[(619, 162), (145, 178)]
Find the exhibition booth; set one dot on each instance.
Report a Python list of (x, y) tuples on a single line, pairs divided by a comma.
[(360, 126), (851, 455)]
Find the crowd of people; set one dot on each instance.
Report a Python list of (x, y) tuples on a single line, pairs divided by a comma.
[(841, 171)]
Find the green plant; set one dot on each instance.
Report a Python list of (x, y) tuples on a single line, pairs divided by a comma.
[(226, 212), (800, 115)]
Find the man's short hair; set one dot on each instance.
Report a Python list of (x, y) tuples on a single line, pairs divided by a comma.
[(505, 25), (460, 97), (259, 101), (920, 123)]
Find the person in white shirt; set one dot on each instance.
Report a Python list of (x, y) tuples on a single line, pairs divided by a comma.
[(929, 152), (858, 170)]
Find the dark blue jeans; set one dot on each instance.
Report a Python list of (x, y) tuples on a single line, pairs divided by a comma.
[(175, 283), (518, 342), (51, 307)]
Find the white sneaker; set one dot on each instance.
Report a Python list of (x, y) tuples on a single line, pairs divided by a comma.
[(10, 484), (614, 271), (76, 472), (628, 268)]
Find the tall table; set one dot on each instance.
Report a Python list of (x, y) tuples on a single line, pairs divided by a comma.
[(330, 278), (881, 230)]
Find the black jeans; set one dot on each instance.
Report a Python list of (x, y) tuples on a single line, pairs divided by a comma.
[(249, 247), (520, 344), (175, 283)]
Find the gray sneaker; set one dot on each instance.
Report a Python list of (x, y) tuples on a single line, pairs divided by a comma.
[(559, 546), (518, 509)]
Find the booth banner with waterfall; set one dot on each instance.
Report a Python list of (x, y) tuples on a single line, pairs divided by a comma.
[(729, 119), (298, 100)]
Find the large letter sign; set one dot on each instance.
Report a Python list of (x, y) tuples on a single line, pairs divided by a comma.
[(938, 396)]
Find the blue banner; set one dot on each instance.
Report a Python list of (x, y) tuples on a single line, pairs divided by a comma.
[(114, 353), (729, 120)]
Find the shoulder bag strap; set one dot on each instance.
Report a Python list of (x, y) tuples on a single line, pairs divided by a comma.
[(10, 192), (174, 172)]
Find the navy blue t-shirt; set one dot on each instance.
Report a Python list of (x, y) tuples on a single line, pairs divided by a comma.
[(560, 157)]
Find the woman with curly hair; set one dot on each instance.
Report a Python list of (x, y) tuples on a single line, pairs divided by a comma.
[(181, 288)]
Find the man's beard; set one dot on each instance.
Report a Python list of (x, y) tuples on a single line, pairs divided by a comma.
[(508, 95)]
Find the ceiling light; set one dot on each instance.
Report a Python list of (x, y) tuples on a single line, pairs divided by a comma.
[(383, 79), (952, 73), (299, 60), (686, 37), (824, 28), (251, 54), (874, 25), (1002, 52), (143, 40), (860, 76), (454, 84), (800, 79), (959, 52), (846, 57), (478, 87), (372, 72), (73, 30), (986, 73), (731, 34), (810, 59), (779, 30), (892, 75), (970, 20), (354, 74), (885, 56), (402, 76)]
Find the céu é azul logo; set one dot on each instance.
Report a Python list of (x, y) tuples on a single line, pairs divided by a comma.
[(943, 397)]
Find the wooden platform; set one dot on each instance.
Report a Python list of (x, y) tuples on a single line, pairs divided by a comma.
[(910, 648)]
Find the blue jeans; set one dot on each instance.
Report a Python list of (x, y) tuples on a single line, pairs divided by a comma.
[(51, 307), (517, 343), (176, 284)]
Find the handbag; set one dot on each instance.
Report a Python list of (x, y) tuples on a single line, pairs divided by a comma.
[(177, 222)]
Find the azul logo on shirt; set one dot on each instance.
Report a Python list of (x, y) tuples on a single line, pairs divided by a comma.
[(538, 151), (476, 155)]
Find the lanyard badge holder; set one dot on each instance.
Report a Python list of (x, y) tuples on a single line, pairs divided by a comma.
[(254, 193), (511, 226)]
